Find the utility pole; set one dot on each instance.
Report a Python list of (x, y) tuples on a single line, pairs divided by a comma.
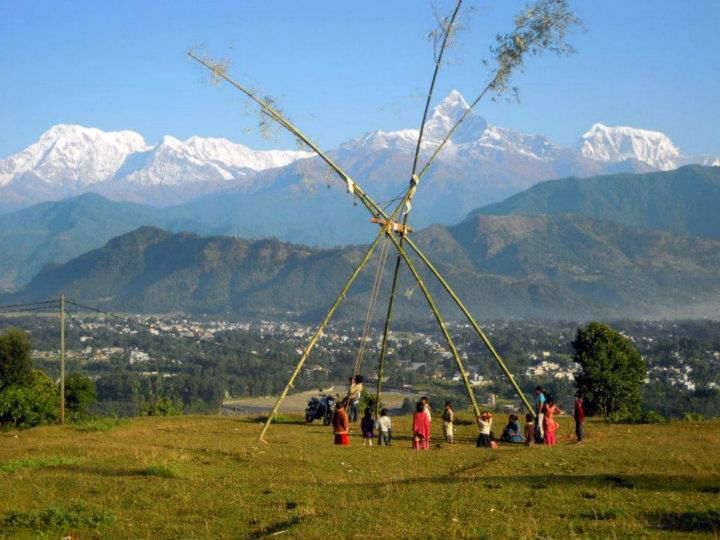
[(62, 359)]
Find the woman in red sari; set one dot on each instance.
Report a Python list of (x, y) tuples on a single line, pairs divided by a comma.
[(549, 424), (421, 429), (341, 425)]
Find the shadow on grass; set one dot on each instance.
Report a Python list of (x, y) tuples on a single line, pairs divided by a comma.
[(473, 473), (698, 521), (159, 471), (64, 519)]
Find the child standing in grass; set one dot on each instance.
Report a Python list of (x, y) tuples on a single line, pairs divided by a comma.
[(385, 427), (341, 425), (366, 426), (529, 429), (549, 425), (448, 417), (484, 439), (421, 429)]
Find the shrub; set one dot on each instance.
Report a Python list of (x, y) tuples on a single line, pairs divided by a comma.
[(32, 405), (162, 406), (80, 394), (648, 417), (408, 406), (367, 399)]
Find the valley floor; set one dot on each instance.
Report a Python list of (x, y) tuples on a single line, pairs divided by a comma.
[(208, 477)]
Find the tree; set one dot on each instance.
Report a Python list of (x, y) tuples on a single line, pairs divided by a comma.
[(80, 394), (37, 402), (612, 373), (15, 360)]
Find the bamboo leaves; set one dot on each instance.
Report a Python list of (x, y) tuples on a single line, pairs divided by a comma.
[(538, 28)]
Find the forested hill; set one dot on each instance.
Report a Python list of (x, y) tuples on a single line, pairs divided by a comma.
[(683, 201), (503, 266)]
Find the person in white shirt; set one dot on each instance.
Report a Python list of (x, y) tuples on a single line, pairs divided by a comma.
[(448, 417), (384, 424), (484, 439), (354, 395)]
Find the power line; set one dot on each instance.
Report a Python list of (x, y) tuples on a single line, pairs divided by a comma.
[(43, 309), (26, 304)]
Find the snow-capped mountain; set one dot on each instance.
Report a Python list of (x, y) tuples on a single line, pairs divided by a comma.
[(174, 162), (73, 154), (77, 157), (482, 163), (474, 138), (616, 144)]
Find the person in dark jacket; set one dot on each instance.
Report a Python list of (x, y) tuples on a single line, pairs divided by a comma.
[(579, 415)]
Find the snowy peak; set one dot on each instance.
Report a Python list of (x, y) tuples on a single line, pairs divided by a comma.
[(240, 156), (445, 115), (440, 121), (199, 159), (617, 144), (76, 154)]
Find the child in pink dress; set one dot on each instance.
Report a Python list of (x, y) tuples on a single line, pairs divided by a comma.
[(549, 424)]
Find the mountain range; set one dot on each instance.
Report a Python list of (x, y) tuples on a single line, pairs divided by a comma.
[(482, 164), (685, 201), (682, 201), (568, 267)]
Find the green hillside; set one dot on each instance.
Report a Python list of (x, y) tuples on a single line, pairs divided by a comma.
[(684, 201), (55, 232), (208, 477), (508, 266)]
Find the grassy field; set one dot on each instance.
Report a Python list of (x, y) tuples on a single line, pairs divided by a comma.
[(208, 477)]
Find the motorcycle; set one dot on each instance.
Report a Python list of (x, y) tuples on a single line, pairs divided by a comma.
[(320, 407)]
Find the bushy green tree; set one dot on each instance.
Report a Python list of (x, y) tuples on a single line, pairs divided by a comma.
[(35, 403), (80, 394), (612, 371), (15, 360)]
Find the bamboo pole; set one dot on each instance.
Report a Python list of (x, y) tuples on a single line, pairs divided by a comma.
[(498, 74), (438, 64), (318, 333), (443, 326), (367, 201), (472, 322), (384, 346), (62, 359), (413, 187), (351, 185)]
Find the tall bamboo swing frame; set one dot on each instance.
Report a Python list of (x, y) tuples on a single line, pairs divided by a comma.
[(389, 227)]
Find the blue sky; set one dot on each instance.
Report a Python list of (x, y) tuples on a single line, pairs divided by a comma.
[(340, 69)]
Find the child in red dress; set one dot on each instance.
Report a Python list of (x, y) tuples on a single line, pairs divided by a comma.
[(421, 429), (341, 425)]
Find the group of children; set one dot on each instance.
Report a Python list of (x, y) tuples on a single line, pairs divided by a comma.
[(421, 424), (341, 426), (541, 430)]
